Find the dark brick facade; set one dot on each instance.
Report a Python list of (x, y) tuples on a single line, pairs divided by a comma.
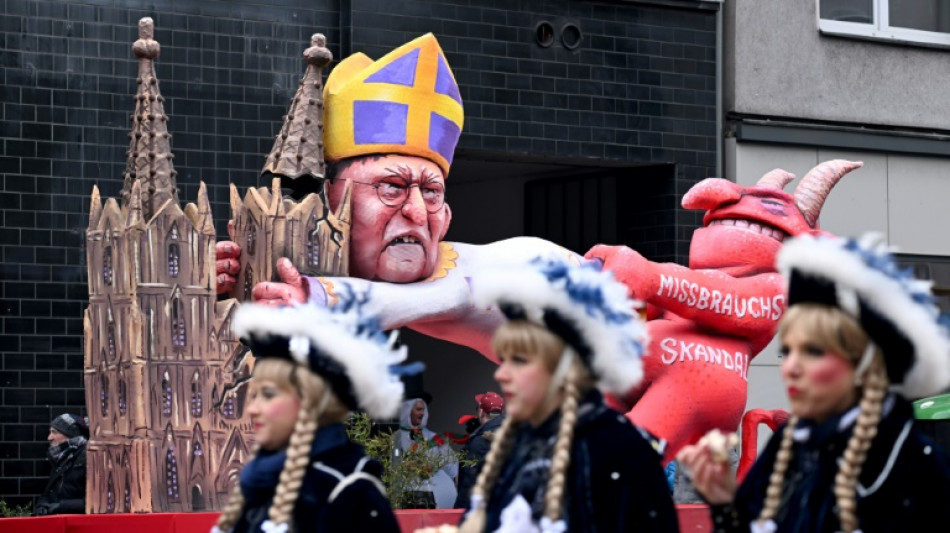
[(640, 88)]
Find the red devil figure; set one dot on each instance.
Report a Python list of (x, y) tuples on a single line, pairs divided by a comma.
[(708, 321)]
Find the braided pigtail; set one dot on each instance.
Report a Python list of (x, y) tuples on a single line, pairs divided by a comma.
[(773, 494), (500, 448), (561, 457), (865, 428), (295, 466)]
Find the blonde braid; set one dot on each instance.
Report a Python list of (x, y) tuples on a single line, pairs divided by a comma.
[(295, 466), (561, 457), (773, 494), (500, 448), (865, 428), (232, 510)]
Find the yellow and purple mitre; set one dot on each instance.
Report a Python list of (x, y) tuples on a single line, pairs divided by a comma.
[(407, 102)]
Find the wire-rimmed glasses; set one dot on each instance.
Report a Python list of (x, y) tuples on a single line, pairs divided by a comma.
[(395, 193)]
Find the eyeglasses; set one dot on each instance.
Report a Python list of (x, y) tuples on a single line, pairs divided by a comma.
[(395, 193)]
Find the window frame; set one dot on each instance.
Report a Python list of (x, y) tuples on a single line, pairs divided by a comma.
[(880, 29)]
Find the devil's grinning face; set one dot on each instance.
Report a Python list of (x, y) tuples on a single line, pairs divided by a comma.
[(744, 227)]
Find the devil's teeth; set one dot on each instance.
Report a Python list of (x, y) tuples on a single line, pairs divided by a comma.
[(764, 229)]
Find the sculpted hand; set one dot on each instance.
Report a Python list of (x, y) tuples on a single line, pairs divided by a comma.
[(292, 289), (628, 266), (712, 478), (227, 265)]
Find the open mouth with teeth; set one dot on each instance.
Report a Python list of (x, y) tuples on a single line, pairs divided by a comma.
[(406, 249), (405, 239), (749, 225)]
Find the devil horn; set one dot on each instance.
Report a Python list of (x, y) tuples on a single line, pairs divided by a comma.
[(814, 188), (776, 178)]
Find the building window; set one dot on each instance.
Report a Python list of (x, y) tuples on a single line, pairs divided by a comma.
[(933, 268), (174, 260), (171, 473), (166, 395), (107, 273), (313, 242), (178, 325), (123, 405), (924, 22), (196, 408)]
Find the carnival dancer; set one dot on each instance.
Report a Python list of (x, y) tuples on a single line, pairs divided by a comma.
[(562, 460), (859, 339), (314, 365)]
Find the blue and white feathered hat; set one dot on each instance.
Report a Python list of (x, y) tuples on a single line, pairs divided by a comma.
[(581, 304), (344, 347), (896, 310)]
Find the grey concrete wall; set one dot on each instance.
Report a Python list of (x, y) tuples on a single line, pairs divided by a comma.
[(778, 64)]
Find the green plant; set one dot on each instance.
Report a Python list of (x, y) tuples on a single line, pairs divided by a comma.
[(19, 510), (402, 472)]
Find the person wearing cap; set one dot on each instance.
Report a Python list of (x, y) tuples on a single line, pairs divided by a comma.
[(860, 338), (491, 407), (438, 491), (562, 460), (313, 366), (390, 131), (65, 492)]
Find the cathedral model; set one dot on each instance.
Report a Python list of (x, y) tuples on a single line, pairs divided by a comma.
[(165, 379)]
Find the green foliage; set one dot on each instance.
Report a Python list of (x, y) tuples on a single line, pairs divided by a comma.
[(402, 472), (19, 510)]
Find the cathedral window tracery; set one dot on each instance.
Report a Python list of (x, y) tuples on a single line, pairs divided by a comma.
[(104, 395), (313, 242), (110, 340), (251, 238), (123, 402), (171, 473), (166, 395), (178, 324), (174, 260), (196, 405), (110, 495), (107, 273)]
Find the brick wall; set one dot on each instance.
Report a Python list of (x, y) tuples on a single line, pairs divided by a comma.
[(639, 88)]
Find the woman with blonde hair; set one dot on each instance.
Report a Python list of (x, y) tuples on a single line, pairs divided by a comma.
[(859, 339), (562, 460), (313, 366)]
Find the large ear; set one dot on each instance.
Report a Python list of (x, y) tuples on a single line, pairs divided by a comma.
[(448, 220)]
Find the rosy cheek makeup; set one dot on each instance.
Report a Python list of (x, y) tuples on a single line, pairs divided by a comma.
[(830, 369)]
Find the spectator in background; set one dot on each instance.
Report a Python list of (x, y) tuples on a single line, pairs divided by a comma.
[(65, 492), (439, 489), (491, 406)]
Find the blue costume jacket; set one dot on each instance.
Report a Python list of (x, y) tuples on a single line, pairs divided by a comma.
[(904, 484), (357, 503), (614, 483)]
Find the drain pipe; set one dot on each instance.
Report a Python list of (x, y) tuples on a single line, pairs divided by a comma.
[(720, 168)]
